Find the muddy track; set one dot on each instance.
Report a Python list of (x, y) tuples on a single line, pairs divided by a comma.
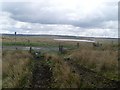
[(41, 75), (91, 78)]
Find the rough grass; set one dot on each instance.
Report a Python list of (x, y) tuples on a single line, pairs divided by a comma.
[(36, 41), (27, 41), (16, 69), (0, 62), (62, 73), (0, 69), (104, 62)]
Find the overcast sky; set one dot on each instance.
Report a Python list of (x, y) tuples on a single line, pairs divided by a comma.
[(60, 17)]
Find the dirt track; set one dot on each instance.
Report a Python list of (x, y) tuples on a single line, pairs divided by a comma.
[(41, 75), (91, 78)]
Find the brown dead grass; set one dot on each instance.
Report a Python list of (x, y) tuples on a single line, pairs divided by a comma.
[(98, 60), (0, 69), (36, 39), (62, 73), (25, 39), (16, 69)]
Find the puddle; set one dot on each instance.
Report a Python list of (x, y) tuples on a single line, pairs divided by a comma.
[(76, 40)]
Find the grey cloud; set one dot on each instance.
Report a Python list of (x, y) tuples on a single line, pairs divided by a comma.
[(45, 13), (46, 18)]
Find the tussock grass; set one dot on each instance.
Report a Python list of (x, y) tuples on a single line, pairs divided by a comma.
[(62, 73), (16, 69), (102, 61), (0, 69)]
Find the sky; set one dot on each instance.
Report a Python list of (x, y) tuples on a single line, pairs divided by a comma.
[(98, 18)]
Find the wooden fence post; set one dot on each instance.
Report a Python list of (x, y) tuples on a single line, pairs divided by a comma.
[(30, 49), (15, 41), (60, 48), (78, 45)]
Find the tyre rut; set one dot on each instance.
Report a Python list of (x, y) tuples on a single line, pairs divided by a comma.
[(41, 75), (91, 78)]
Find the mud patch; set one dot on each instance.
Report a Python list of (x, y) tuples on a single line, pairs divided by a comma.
[(42, 75)]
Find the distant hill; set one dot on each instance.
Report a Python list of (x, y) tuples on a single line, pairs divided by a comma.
[(60, 36)]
